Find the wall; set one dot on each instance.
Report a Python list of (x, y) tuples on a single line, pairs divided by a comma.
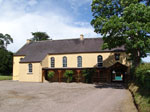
[(20, 70), (35, 76), (16, 60), (45, 62), (88, 60)]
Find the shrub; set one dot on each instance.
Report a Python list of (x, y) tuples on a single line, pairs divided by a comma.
[(68, 74), (142, 74), (51, 74), (88, 74)]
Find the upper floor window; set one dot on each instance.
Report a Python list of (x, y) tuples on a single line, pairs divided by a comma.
[(100, 61), (79, 61), (21, 59), (52, 62), (117, 57), (64, 61), (30, 68)]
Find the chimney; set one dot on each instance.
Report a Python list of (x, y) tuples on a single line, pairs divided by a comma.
[(28, 41), (81, 37)]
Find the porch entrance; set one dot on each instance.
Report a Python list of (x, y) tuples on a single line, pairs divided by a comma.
[(118, 72)]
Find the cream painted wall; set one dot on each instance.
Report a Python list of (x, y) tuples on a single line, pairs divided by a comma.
[(20, 70), (35, 76), (45, 62), (16, 67), (88, 59)]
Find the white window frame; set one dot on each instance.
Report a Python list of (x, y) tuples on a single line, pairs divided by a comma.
[(64, 61), (52, 64), (30, 68), (99, 61), (79, 61)]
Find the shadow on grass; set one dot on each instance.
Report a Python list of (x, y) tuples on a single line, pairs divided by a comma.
[(144, 92)]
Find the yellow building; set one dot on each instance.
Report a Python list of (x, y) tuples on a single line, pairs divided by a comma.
[(35, 59)]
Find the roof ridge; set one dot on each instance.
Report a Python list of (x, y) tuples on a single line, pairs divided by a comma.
[(69, 39)]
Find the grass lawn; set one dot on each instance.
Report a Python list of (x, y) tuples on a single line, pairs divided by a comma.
[(142, 98), (5, 77)]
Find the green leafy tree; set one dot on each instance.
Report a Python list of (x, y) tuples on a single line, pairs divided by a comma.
[(6, 57), (39, 36), (5, 40), (68, 74), (123, 23), (6, 62)]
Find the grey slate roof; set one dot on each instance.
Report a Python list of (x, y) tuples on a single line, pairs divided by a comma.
[(36, 51)]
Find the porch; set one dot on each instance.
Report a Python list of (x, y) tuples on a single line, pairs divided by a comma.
[(114, 73)]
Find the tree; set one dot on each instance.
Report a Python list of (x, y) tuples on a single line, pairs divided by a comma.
[(123, 23), (39, 36), (6, 62), (6, 57), (5, 40)]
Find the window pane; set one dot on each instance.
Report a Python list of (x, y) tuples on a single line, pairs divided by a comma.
[(30, 68), (100, 64), (99, 61), (117, 56), (52, 62), (79, 61), (64, 61)]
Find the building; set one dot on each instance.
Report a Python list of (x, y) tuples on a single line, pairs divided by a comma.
[(35, 59)]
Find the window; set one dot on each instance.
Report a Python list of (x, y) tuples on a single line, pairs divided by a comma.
[(52, 62), (117, 57), (64, 61), (100, 61), (21, 59), (79, 58), (30, 68)]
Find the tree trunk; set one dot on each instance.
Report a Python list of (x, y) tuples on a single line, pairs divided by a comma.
[(136, 59), (136, 62)]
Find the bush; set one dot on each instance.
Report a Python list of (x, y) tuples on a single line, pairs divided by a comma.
[(51, 74), (68, 74), (142, 74), (88, 74)]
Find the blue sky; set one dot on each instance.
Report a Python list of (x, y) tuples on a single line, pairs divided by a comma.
[(59, 18)]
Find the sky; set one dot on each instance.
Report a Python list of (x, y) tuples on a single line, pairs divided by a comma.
[(146, 59), (60, 19)]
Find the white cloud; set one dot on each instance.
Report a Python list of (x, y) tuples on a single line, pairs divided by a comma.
[(32, 2), (19, 24), (1, 1), (146, 59), (75, 4)]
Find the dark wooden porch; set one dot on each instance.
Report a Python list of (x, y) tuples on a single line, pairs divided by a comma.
[(100, 74)]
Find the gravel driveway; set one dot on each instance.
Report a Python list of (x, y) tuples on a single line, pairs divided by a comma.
[(63, 97)]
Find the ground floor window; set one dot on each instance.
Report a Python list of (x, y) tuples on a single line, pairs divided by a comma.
[(30, 68)]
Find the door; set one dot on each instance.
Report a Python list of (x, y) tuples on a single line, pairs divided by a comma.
[(117, 75)]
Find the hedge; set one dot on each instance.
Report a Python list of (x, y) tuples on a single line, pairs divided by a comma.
[(142, 74)]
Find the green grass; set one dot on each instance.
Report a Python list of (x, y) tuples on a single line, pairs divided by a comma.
[(5, 77), (142, 98)]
